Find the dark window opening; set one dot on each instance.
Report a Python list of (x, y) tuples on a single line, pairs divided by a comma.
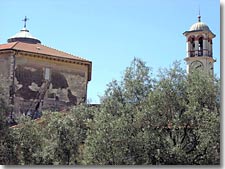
[(200, 46), (192, 43), (192, 52)]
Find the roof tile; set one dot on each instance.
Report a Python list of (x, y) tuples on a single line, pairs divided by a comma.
[(39, 48), (7, 45)]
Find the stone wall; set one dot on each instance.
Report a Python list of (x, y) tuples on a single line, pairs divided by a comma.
[(6, 80), (67, 85)]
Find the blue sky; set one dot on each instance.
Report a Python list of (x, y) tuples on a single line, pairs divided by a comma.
[(111, 33)]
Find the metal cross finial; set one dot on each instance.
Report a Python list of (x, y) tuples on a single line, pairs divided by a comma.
[(199, 15), (25, 20)]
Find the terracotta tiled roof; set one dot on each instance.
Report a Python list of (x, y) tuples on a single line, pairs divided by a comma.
[(44, 50), (7, 46), (39, 48)]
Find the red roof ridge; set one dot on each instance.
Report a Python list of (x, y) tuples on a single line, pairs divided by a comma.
[(65, 53), (14, 44), (36, 48), (10, 45)]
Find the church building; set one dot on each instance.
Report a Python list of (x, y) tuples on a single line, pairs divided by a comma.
[(36, 77)]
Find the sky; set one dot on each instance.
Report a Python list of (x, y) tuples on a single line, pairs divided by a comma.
[(110, 33)]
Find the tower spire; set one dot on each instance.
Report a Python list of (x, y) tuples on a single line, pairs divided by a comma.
[(199, 15), (25, 21)]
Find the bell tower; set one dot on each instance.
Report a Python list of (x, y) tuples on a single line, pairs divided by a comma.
[(199, 48)]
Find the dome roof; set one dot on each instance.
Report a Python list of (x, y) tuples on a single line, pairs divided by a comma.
[(24, 36), (199, 26)]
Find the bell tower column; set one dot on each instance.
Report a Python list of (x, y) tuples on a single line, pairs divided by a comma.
[(199, 48)]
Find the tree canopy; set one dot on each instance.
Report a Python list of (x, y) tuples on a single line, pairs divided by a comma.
[(171, 118)]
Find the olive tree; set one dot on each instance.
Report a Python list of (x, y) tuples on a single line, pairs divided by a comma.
[(172, 119)]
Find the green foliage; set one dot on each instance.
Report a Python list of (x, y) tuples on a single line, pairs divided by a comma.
[(4, 130), (55, 139), (28, 138), (171, 119), (8, 149), (136, 81), (64, 135), (3, 112), (112, 139)]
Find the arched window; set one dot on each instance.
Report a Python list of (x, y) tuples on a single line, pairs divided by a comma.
[(192, 48), (192, 43), (200, 46), (210, 48)]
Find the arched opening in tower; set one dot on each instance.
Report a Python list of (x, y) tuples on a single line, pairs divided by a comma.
[(192, 41), (200, 46)]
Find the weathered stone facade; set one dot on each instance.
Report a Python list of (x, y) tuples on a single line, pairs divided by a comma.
[(5, 75), (23, 77), (36, 77)]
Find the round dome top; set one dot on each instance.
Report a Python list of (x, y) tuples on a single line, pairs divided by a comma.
[(199, 26), (24, 36)]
